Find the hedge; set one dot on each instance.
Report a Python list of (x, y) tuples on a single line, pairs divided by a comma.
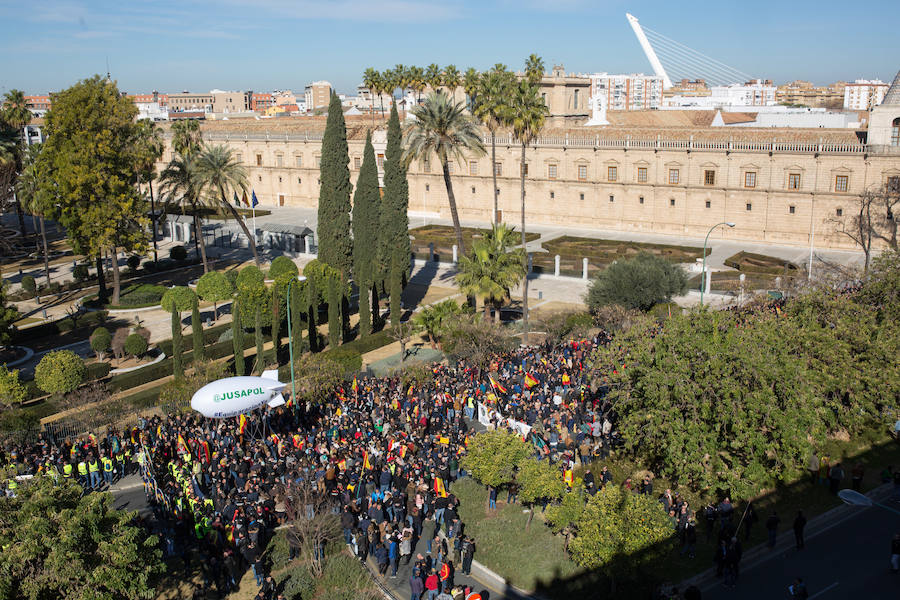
[(210, 336), (778, 266), (86, 321)]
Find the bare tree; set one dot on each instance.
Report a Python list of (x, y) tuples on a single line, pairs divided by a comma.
[(402, 332), (312, 523), (860, 225), (887, 222)]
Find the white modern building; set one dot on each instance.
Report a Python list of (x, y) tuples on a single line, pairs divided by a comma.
[(634, 91), (863, 94), (152, 111), (755, 93)]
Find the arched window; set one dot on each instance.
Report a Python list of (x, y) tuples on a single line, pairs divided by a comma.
[(895, 132), (575, 107)]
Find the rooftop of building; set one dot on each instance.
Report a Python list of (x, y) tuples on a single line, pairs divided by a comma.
[(670, 125), (892, 97)]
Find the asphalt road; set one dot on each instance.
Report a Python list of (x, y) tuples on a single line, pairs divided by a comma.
[(851, 560)]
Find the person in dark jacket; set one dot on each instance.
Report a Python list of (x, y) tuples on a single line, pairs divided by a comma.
[(416, 585), (381, 558), (799, 526)]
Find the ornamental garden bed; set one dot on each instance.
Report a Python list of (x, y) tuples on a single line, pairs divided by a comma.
[(443, 237), (748, 262), (142, 295)]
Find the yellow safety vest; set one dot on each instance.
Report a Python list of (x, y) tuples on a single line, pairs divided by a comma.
[(107, 464), (82, 468), (67, 470), (93, 466)]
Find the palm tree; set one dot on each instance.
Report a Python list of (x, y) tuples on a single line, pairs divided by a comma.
[(433, 319), (471, 82), (187, 139), (491, 109), (417, 81), (441, 126), (15, 109), (10, 163), (370, 80), (179, 182), (149, 148), (27, 188), (492, 268), (451, 79), (433, 76), (534, 69), (401, 79), (381, 84), (526, 117), (216, 171)]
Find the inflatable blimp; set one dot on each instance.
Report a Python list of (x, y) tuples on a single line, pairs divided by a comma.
[(235, 395)]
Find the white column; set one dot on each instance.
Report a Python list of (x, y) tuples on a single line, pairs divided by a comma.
[(556, 265), (584, 268), (455, 252), (708, 279)]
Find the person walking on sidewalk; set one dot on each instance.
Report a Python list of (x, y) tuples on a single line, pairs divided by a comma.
[(895, 553), (798, 589), (772, 527), (799, 526)]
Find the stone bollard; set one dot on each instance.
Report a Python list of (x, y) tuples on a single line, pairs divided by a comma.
[(431, 252), (584, 266), (778, 283), (556, 265), (455, 253)]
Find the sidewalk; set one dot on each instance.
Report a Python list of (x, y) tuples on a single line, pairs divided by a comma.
[(815, 527)]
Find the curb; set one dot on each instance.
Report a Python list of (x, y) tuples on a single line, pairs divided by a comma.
[(28, 354), (761, 553), (160, 358)]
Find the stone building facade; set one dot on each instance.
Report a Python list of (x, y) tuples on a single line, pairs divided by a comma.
[(778, 192)]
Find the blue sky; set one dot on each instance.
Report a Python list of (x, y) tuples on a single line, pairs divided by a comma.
[(268, 44)]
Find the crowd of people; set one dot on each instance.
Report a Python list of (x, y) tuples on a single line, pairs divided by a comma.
[(382, 452)]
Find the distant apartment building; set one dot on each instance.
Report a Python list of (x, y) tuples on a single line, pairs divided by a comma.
[(188, 102), (261, 101), (366, 100), (317, 95), (804, 93), (690, 87), (755, 92), (635, 91), (153, 97), (38, 105), (863, 94)]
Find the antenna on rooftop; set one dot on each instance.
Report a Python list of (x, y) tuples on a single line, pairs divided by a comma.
[(108, 78)]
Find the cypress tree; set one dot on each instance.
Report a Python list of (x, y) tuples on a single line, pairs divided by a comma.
[(260, 353), (197, 330), (297, 312), (276, 321), (394, 219), (237, 337), (312, 309), (366, 215), (334, 295), (177, 345), (335, 244)]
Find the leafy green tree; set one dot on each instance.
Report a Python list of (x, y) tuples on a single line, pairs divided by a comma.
[(179, 298), (237, 337), (59, 372), (177, 345), (214, 287), (492, 457), (8, 316), (539, 481), (282, 265), (394, 234), (136, 345), (252, 291), (492, 268), (881, 290), (475, 340), (326, 281), (299, 310), (15, 109), (29, 284), (619, 531), (60, 543), (526, 116), (638, 282), (88, 165), (563, 517), (260, 341), (148, 147), (217, 171), (11, 389), (316, 377), (196, 329), (100, 341), (335, 244), (442, 127), (28, 190), (366, 233), (492, 91)]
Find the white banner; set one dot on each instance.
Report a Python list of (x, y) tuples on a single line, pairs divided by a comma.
[(486, 413)]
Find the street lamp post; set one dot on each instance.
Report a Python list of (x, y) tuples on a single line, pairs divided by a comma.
[(291, 336), (704, 277)]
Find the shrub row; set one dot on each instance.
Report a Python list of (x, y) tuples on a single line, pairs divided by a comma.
[(86, 322), (744, 262), (210, 336)]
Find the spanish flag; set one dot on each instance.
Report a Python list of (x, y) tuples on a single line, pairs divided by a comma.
[(416, 411), (355, 386), (495, 384), (439, 487), (530, 381), (242, 424), (410, 390), (569, 478), (565, 379), (182, 446), (366, 463)]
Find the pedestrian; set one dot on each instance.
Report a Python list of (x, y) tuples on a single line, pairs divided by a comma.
[(394, 555), (798, 589), (813, 467), (799, 525), (690, 538), (381, 559), (750, 519), (895, 553), (468, 554), (416, 585), (431, 585), (834, 478), (772, 527), (492, 498)]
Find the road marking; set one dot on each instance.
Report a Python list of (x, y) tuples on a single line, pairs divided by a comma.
[(830, 587)]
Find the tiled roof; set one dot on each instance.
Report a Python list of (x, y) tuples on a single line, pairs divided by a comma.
[(892, 98)]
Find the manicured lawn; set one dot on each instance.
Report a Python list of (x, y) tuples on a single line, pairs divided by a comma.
[(524, 556), (600, 253)]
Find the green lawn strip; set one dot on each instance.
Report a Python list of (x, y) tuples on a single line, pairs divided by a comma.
[(523, 557)]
